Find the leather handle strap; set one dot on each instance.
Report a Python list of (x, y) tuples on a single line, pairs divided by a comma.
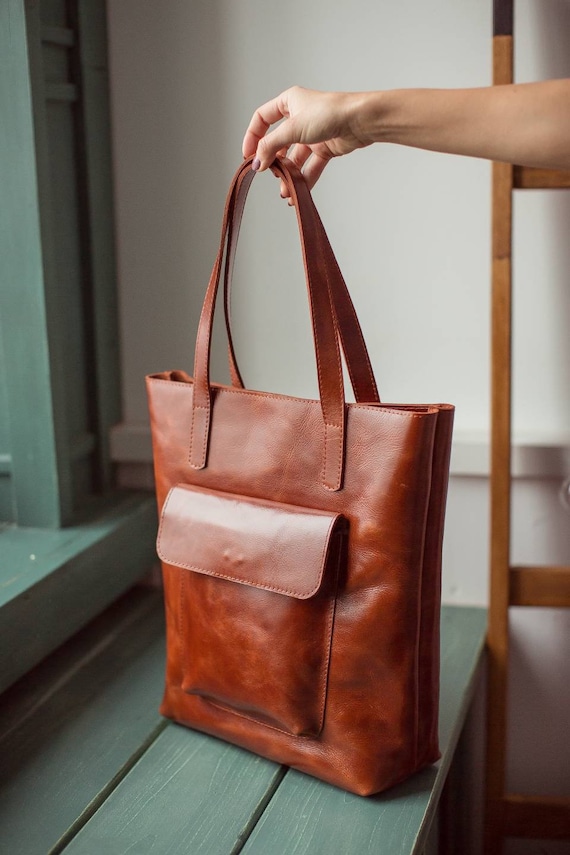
[(329, 367), (345, 317)]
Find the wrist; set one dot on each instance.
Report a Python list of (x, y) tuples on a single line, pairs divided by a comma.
[(369, 115)]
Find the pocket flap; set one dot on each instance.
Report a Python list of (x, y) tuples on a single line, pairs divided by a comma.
[(281, 548)]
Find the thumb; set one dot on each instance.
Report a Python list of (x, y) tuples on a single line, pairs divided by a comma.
[(282, 137)]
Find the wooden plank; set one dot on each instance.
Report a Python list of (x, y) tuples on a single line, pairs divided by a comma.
[(188, 793), (77, 723), (500, 524), (502, 59), (532, 178), (54, 582), (26, 360), (540, 586), (537, 817), (506, 587), (503, 17), (308, 817), (498, 634)]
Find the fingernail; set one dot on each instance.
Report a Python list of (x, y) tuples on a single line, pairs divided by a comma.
[(256, 164)]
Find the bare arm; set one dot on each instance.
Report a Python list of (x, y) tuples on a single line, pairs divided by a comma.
[(527, 124)]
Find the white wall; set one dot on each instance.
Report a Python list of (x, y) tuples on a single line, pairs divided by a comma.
[(411, 232)]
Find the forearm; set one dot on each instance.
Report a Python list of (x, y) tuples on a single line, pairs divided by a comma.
[(528, 124)]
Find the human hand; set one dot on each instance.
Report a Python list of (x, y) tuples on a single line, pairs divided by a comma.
[(318, 126), (523, 123)]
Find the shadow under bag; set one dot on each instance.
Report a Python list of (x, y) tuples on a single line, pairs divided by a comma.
[(301, 544)]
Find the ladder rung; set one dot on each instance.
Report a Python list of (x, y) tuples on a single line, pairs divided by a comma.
[(531, 178), (539, 586), (537, 817)]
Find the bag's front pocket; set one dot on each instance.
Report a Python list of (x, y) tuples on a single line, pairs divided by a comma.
[(257, 602)]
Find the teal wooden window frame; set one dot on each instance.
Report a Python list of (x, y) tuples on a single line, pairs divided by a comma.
[(58, 321), (69, 542)]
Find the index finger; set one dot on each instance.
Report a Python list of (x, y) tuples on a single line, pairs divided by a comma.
[(265, 116)]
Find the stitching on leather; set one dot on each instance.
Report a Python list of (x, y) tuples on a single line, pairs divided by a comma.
[(326, 663), (323, 476), (205, 572), (352, 311), (335, 318), (324, 463), (323, 680), (204, 440), (192, 438), (325, 452), (337, 352), (329, 635), (325, 668), (181, 630), (238, 579), (316, 339), (430, 409), (339, 374)]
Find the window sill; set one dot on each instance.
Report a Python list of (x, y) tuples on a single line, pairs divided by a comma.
[(52, 582)]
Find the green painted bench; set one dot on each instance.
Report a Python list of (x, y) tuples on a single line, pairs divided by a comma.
[(88, 766)]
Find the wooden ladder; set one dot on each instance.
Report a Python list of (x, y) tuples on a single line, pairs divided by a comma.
[(509, 814)]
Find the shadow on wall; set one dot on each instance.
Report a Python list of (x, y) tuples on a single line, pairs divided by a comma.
[(552, 34), (541, 248), (168, 127), (539, 700), (196, 109)]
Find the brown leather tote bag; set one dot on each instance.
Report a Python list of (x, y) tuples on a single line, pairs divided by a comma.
[(301, 544)]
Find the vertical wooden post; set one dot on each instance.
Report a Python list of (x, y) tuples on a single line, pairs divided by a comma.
[(498, 633), (59, 365)]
